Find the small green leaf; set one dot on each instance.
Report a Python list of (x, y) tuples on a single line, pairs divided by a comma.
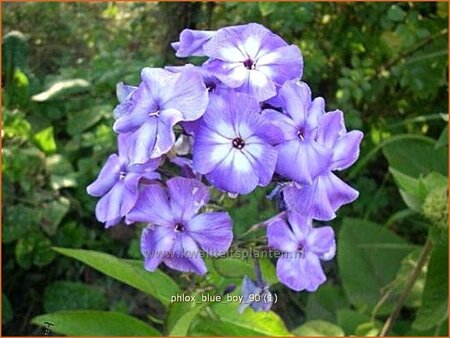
[(434, 308), (83, 120), (61, 89), (395, 13), (318, 328), (45, 140), (51, 214), (65, 295), (7, 311), (95, 323), (156, 284)]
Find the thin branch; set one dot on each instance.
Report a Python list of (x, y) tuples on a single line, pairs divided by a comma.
[(259, 225), (409, 284)]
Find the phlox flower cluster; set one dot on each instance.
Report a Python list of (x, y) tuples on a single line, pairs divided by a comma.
[(241, 120)]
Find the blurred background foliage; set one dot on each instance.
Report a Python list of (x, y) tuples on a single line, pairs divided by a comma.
[(384, 64)]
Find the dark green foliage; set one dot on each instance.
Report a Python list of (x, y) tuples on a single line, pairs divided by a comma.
[(384, 65)]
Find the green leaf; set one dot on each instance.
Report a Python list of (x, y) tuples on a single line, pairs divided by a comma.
[(239, 267), (83, 120), (227, 321), (62, 89), (324, 303), (318, 328), (51, 214), (350, 321), (95, 323), (369, 257), (408, 264), (45, 140), (395, 13), (181, 315), (130, 272), (368, 329), (7, 311), (434, 308), (62, 174), (34, 249), (414, 157), (65, 295)]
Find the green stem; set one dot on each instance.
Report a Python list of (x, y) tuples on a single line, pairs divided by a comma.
[(409, 284)]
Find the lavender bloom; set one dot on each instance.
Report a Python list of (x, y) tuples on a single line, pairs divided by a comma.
[(161, 100), (117, 183), (327, 193), (300, 156), (176, 232), (252, 59), (191, 43), (303, 246), (212, 83), (258, 297), (124, 95), (233, 145)]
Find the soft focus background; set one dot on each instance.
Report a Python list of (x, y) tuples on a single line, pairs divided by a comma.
[(384, 64)]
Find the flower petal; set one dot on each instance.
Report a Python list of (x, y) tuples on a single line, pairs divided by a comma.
[(227, 45), (191, 42), (212, 231), (291, 272), (280, 236), (235, 174), (331, 127), (302, 161), (258, 85), (152, 207), (282, 64), (301, 226), (208, 152), (107, 177), (263, 158), (187, 94), (186, 196), (233, 74), (296, 97), (346, 150), (186, 256), (144, 141), (156, 243), (116, 203), (321, 241), (321, 199)]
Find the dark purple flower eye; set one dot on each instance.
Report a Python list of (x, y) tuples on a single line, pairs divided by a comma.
[(238, 143), (249, 64), (179, 227)]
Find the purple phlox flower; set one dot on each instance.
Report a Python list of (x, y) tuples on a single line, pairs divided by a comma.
[(252, 59), (300, 156), (212, 83), (191, 42), (162, 99), (125, 97), (176, 232), (233, 145), (327, 193), (255, 295), (303, 247), (118, 181)]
